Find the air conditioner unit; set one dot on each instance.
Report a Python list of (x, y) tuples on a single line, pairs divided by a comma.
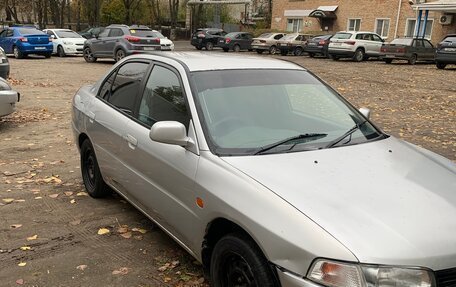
[(446, 19)]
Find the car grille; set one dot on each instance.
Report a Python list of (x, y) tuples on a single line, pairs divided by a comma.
[(446, 278)]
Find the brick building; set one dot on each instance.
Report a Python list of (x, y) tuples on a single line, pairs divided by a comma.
[(389, 18)]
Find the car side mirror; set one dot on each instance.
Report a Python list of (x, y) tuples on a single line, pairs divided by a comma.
[(365, 112), (52, 37), (170, 132)]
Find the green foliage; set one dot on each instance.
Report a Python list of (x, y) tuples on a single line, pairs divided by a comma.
[(113, 12)]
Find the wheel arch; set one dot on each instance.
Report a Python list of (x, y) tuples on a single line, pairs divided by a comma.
[(81, 138)]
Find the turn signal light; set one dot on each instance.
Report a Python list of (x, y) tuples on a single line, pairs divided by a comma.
[(350, 42), (23, 39), (227, 40)]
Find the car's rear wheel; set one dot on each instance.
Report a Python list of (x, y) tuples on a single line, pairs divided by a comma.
[(298, 51), (311, 55), (413, 59), (388, 61), (440, 66), (88, 55), (225, 50), (199, 47), (237, 261), (17, 53), (272, 50), (236, 48), (48, 55), (259, 51), (359, 55), (120, 54), (209, 46), (60, 51), (91, 175), (335, 58)]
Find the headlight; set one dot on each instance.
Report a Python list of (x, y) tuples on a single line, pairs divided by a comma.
[(67, 43), (338, 274)]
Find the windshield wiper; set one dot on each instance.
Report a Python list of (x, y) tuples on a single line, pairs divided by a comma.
[(284, 141), (348, 133)]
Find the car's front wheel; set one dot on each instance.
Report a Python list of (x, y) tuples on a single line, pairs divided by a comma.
[(91, 175), (17, 53), (298, 51), (413, 59), (236, 48), (209, 46), (88, 55), (237, 261), (225, 50), (440, 66), (272, 50), (60, 51), (388, 61), (259, 51)]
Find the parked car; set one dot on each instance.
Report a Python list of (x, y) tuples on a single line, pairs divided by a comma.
[(265, 174), (318, 45), (267, 42), (359, 46), (119, 41), (22, 41), (4, 65), (446, 52), (207, 38), (91, 32), (65, 41), (409, 49), (293, 43), (8, 98), (236, 41)]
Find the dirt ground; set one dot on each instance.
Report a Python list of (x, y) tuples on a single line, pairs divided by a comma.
[(53, 234)]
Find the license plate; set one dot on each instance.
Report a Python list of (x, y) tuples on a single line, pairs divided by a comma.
[(40, 48), (255, 47), (336, 44), (312, 44), (150, 48), (450, 49), (390, 56)]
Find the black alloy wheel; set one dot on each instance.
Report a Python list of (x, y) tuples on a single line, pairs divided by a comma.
[(88, 55), (60, 51), (209, 46), (120, 54), (91, 175), (359, 55), (272, 50), (413, 59)]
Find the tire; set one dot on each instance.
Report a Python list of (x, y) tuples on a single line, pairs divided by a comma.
[(388, 61), (48, 55), (225, 50), (236, 48), (298, 51), (311, 55), (199, 47), (119, 55), (17, 53), (259, 51), (88, 55), (91, 175), (250, 50), (273, 50), (413, 59), (60, 51), (359, 55), (283, 53), (209, 46), (335, 58), (237, 261), (440, 66)]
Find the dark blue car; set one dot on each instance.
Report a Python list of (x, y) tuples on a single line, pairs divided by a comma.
[(22, 41)]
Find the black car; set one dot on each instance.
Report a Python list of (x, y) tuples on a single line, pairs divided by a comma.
[(207, 38), (91, 32), (318, 46), (446, 52), (119, 41), (236, 41)]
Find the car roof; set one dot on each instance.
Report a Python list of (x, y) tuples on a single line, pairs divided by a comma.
[(200, 61), (357, 32)]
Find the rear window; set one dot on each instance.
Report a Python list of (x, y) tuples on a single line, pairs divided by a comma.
[(342, 36), (234, 34), (289, 37), (402, 42), (143, 33), (450, 39), (265, 35), (30, 31)]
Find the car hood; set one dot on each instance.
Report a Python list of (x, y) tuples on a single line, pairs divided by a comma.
[(165, 41), (74, 40), (388, 202)]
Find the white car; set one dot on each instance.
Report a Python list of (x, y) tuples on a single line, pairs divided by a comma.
[(66, 41), (8, 98), (165, 43), (356, 45)]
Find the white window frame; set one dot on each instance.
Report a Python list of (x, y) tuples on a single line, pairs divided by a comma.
[(354, 19), (299, 28), (382, 34), (407, 25)]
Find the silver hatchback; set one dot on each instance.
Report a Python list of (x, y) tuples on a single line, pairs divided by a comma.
[(266, 175)]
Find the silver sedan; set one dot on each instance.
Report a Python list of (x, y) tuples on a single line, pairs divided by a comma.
[(266, 175)]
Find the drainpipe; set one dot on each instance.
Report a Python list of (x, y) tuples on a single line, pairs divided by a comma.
[(397, 19), (418, 24), (426, 15)]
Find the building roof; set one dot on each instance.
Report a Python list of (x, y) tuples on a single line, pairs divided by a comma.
[(440, 5), (200, 61)]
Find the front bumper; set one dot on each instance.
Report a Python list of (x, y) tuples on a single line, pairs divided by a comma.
[(73, 49), (8, 100), (288, 279)]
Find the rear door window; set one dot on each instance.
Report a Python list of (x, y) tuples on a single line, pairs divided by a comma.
[(116, 32)]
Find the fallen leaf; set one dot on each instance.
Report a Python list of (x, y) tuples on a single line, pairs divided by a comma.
[(19, 200), (38, 197), (122, 229), (21, 264), (54, 195), (8, 200), (72, 201), (126, 235), (81, 267), (34, 237), (75, 222), (102, 231), (14, 226), (82, 193), (20, 281), (143, 231), (167, 279), (25, 248), (121, 271), (68, 193)]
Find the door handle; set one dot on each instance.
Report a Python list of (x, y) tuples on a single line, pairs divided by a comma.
[(132, 141)]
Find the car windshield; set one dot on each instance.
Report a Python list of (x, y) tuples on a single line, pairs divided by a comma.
[(265, 35), (289, 37), (145, 33), (407, 42), (450, 39), (30, 31), (67, 34), (342, 36), (245, 112), (233, 34)]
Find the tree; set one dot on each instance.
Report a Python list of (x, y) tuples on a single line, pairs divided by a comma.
[(130, 8)]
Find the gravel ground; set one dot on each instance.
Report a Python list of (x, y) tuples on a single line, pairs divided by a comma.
[(49, 232)]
